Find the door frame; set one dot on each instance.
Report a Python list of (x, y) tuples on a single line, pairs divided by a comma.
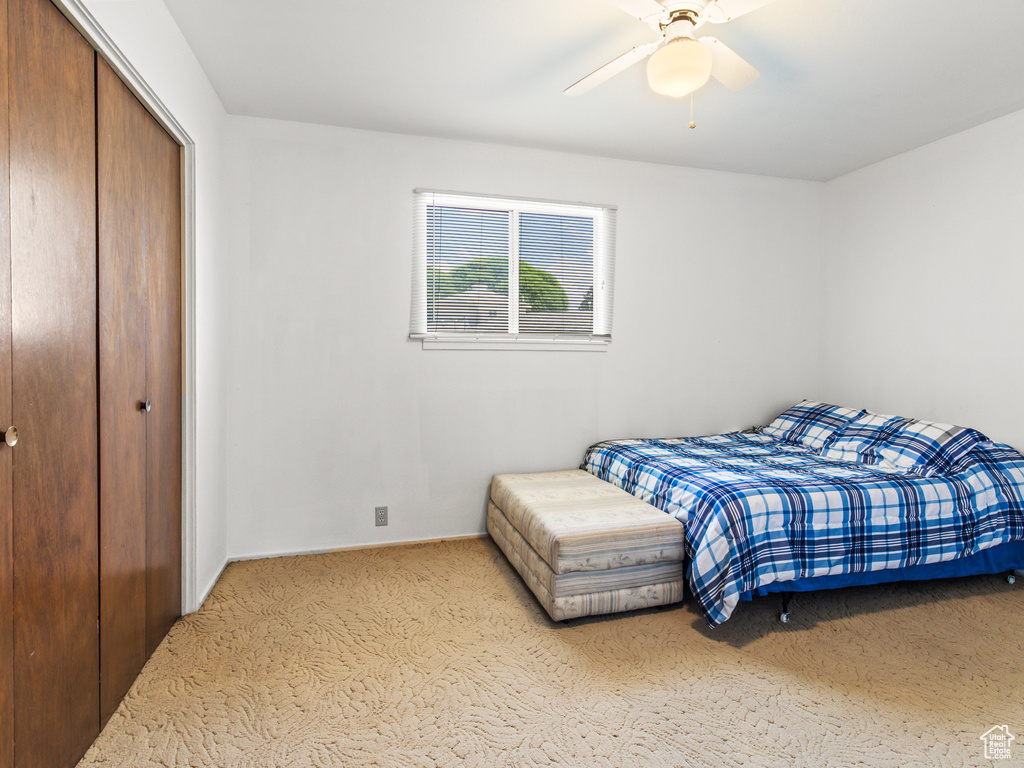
[(89, 27)]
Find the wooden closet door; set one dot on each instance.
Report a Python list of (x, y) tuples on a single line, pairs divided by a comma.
[(6, 564), (140, 361), (164, 383), (55, 464), (122, 178)]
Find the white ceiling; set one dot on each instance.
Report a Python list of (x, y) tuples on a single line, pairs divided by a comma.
[(843, 83)]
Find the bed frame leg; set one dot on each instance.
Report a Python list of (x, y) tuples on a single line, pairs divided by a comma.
[(1011, 576), (784, 616)]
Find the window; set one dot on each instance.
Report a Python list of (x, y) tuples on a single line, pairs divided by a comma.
[(497, 272)]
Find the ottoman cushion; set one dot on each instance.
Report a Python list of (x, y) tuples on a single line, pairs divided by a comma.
[(586, 593), (583, 546), (578, 522)]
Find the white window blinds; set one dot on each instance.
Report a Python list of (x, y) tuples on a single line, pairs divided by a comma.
[(487, 268)]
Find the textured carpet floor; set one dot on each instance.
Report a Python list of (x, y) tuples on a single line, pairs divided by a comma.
[(437, 655)]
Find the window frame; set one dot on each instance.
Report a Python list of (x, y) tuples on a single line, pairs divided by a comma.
[(604, 222)]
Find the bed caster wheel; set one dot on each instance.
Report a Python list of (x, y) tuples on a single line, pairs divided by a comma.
[(784, 617), (1011, 578)]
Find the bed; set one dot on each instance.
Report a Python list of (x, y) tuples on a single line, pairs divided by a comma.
[(827, 497)]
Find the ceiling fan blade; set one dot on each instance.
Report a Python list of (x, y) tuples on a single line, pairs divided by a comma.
[(612, 68), (640, 9), (733, 9), (727, 67)]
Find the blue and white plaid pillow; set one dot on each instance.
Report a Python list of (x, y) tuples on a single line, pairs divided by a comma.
[(860, 439), (929, 447), (810, 423)]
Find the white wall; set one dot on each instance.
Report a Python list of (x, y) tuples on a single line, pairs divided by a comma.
[(313, 407), (924, 275), (149, 38), (331, 409)]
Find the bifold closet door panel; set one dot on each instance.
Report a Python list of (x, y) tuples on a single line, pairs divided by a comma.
[(140, 365), (164, 377), (6, 564), (122, 178), (54, 370)]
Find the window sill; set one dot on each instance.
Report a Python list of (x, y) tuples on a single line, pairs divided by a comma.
[(520, 343)]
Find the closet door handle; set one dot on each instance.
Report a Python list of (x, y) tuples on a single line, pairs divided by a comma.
[(146, 406), (11, 436)]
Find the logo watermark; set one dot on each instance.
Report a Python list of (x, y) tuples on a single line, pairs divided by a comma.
[(997, 742)]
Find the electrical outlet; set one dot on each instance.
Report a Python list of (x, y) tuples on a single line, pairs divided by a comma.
[(380, 516)]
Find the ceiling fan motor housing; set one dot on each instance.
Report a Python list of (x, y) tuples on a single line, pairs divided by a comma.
[(678, 27), (698, 11)]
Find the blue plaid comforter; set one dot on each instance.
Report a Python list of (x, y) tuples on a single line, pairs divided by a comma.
[(759, 510)]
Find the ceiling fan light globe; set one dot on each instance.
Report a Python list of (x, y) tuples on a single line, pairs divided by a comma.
[(679, 68)]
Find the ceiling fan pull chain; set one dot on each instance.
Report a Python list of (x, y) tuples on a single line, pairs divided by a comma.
[(692, 123)]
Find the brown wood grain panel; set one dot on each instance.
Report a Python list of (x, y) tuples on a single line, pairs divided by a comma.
[(55, 464), (6, 563), (164, 376), (121, 152)]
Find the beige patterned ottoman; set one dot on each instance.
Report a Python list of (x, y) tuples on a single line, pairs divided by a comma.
[(584, 546)]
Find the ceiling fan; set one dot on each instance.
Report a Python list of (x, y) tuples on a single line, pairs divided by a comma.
[(679, 63)]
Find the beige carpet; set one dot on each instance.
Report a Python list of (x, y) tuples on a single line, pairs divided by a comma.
[(437, 655)]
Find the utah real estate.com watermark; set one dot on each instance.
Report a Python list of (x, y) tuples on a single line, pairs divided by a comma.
[(998, 741)]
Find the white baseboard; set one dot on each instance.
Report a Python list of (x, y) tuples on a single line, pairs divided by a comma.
[(325, 550), (201, 597)]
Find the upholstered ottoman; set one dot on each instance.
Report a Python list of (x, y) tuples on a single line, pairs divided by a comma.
[(584, 546)]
